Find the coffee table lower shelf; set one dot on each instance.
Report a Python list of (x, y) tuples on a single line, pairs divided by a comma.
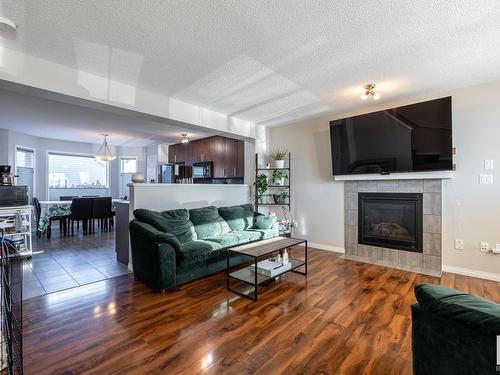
[(249, 274)]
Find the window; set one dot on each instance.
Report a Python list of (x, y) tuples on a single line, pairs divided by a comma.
[(128, 165), (76, 171), (24, 158)]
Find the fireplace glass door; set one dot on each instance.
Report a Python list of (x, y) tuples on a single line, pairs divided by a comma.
[(392, 220)]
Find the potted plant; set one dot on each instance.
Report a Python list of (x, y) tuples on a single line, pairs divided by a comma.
[(279, 177), (261, 184), (280, 198), (279, 158)]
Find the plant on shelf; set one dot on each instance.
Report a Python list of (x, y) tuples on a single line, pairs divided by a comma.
[(280, 198), (279, 177), (279, 158), (261, 184)]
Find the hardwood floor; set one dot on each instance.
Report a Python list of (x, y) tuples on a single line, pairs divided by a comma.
[(344, 317)]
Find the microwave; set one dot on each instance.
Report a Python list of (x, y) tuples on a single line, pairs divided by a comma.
[(11, 196), (202, 169)]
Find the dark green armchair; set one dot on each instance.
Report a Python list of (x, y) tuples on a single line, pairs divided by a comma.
[(453, 332)]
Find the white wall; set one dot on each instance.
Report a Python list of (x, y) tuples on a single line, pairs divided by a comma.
[(470, 211), (10, 139)]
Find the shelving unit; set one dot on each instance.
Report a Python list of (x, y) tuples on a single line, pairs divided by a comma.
[(7, 225), (15, 245), (287, 187)]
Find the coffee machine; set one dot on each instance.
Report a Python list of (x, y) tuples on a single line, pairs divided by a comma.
[(6, 177)]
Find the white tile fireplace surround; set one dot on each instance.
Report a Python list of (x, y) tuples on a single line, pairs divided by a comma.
[(429, 261)]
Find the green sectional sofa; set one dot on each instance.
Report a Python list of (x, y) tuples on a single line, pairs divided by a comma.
[(173, 247), (453, 332)]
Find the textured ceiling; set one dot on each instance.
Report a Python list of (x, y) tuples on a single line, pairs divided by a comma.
[(52, 119), (270, 62)]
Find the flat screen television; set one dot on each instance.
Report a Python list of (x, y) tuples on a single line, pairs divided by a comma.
[(412, 138)]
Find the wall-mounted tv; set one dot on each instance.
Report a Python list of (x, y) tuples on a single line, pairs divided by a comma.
[(412, 138)]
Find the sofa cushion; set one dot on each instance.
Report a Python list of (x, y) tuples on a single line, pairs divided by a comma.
[(175, 222), (198, 251), (247, 235), (265, 234), (207, 222), (238, 217), (226, 240), (265, 222), (474, 312)]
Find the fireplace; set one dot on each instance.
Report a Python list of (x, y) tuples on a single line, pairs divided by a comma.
[(391, 220)]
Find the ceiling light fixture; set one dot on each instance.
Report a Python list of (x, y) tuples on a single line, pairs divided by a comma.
[(6, 24), (104, 153), (184, 138), (370, 92)]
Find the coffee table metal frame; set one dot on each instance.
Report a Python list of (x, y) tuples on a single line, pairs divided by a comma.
[(251, 276)]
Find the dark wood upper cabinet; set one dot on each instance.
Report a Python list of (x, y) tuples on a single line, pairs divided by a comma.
[(231, 157), (219, 160), (227, 155), (240, 159), (177, 153)]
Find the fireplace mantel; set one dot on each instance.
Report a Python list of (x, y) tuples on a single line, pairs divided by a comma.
[(397, 176)]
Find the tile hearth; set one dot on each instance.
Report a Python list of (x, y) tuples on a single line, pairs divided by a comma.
[(430, 260)]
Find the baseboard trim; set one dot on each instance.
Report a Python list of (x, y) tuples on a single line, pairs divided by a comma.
[(320, 246), (472, 273)]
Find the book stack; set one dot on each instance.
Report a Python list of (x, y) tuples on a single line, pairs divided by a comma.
[(271, 267)]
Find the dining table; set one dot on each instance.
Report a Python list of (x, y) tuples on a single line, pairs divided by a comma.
[(50, 209)]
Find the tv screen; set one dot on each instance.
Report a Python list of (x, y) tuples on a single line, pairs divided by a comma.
[(412, 138)]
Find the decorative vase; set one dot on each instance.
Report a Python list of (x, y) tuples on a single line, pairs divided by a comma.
[(286, 259), (138, 178), (279, 163)]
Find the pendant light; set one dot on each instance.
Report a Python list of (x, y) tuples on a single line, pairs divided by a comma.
[(104, 153)]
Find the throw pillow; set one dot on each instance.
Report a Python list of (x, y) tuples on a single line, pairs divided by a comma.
[(265, 222)]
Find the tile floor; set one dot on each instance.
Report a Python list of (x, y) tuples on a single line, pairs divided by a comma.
[(66, 262)]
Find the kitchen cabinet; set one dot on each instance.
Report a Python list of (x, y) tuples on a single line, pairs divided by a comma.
[(227, 155), (177, 153), (240, 159)]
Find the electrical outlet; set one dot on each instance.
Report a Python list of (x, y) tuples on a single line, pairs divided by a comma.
[(486, 179), (484, 246), (488, 164), (496, 250), (459, 244)]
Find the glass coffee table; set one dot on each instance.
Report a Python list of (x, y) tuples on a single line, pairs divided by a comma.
[(258, 251)]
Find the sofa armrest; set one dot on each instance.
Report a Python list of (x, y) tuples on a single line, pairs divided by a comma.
[(442, 346), (154, 255), (154, 235)]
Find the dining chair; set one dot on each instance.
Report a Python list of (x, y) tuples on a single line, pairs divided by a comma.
[(81, 209), (38, 213), (63, 220), (102, 211)]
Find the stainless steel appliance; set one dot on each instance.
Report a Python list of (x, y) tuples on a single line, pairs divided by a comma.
[(169, 173), (13, 196), (203, 169), (5, 175)]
